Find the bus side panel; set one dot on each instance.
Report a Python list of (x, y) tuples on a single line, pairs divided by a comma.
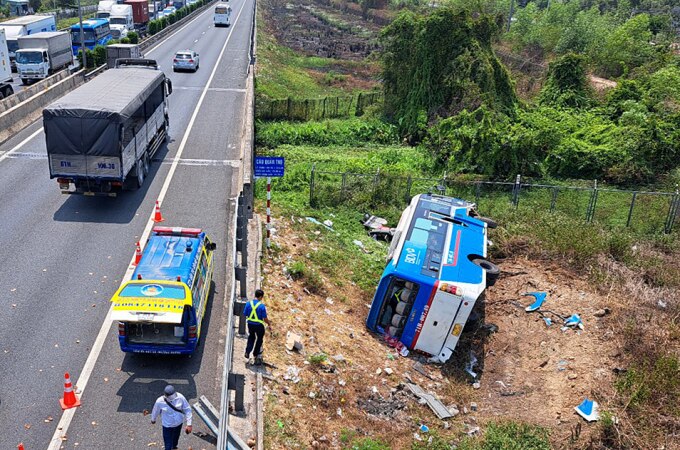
[(419, 313)]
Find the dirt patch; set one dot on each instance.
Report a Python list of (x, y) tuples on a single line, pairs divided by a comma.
[(317, 29), (526, 371)]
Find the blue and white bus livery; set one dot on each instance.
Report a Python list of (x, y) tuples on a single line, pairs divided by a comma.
[(95, 32), (436, 270), (161, 308)]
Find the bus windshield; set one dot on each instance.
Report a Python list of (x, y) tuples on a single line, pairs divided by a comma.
[(154, 290), (87, 34)]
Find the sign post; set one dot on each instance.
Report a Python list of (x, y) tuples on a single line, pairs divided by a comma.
[(269, 166)]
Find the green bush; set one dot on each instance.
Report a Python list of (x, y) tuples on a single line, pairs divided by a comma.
[(509, 436), (133, 37), (125, 40)]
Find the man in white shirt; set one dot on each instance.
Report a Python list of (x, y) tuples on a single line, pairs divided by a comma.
[(173, 407)]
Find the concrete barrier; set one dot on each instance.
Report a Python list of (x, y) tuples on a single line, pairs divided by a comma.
[(23, 114), (30, 91)]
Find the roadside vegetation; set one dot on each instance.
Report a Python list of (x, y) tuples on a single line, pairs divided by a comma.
[(473, 125)]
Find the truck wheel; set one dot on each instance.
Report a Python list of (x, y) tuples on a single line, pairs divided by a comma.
[(146, 164), (24, 81), (139, 170), (492, 270)]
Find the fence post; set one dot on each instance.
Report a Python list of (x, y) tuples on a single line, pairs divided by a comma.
[(553, 200), (630, 210), (590, 213), (672, 211), (343, 187), (515, 190), (442, 191), (409, 183), (323, 113), (311, 186), (375, 187), (306, 109)]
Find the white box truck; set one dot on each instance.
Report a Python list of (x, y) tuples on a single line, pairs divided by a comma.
[(24, 26), (120, 21), (5, 69), (42, 54), (104, 9), (121, 51), (101, 136)]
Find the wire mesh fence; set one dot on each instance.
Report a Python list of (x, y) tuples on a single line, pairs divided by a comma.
[(315, 109), (643, 211)]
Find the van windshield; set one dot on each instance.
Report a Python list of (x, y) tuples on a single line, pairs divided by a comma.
[(29, 57)]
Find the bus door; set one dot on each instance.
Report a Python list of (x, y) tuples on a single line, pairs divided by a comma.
[(436, 321)]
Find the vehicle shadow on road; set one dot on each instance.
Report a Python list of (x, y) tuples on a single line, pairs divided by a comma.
[(120, 209), (149, 374)]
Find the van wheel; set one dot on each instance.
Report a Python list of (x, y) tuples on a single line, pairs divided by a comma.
[(492, 270)]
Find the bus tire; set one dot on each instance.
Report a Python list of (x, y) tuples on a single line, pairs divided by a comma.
[(490, 223), (492, 270)]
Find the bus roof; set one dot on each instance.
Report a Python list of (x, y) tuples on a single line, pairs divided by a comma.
[(90, 23), (425, 251), (168, 256)]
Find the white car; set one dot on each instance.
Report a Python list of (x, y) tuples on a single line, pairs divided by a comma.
[(185, 60), (169, 10)]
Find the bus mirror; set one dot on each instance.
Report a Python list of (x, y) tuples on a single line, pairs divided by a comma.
[(168, 83), (211, 246)]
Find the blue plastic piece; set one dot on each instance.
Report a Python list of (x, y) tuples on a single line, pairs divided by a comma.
[(424, 428), (588, 410), (573, 321), (547, 321), (539, 299)]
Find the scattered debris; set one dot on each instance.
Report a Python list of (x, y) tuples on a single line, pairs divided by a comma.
[(328, 223), (471, 364), (490, 328), (473, 406), (539, 298), (435, 405), (293, 341), (424, 428), (377, 228), (562, 365), (476, 385), (661, 304), (602, 312), (418, 367), (395, 343), (588, 409), (389, 371), (292, 374)]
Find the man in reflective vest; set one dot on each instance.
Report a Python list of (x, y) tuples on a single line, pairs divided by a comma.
[(256, 314)]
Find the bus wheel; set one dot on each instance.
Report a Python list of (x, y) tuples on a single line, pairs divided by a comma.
[(490, 223), (492, 270)]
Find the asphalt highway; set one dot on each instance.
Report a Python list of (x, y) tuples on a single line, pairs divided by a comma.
[(63, 257)]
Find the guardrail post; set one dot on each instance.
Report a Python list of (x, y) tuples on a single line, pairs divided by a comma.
[(237, 384), (242, 231), (241, 276), (239, 306)]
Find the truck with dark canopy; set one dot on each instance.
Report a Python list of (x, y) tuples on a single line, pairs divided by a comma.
[(101, 136)]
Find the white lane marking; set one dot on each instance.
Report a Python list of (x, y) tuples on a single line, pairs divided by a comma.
[(164, 40), (181, 161), (67, 416), (20, 144), (195, 41), (198, 88)]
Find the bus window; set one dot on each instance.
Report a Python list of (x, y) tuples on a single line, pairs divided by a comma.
[(396, 306)]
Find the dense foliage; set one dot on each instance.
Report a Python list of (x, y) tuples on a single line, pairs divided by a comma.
[(439, 64)]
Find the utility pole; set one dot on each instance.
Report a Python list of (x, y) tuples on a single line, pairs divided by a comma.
[(82, 36)]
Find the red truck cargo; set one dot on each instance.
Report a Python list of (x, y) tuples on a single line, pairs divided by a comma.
[(140, 12)]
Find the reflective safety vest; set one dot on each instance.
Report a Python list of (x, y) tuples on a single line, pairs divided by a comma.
[(253, 313)]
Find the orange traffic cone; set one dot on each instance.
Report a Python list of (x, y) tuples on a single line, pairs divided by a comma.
[(138, 254), (20, 446), (70, 400), (157, 216)]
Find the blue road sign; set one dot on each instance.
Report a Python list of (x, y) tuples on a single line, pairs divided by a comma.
[(269, 166)]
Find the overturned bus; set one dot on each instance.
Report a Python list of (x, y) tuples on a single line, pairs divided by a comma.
[(437, 268)]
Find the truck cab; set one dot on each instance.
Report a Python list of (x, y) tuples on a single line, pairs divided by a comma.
[(120, 21), (32, 63), (104, 9)]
